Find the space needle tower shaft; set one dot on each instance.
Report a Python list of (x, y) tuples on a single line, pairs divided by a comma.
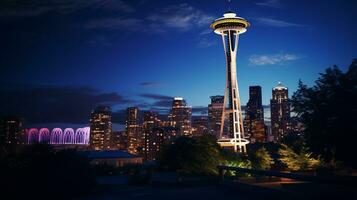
[(230, 26)]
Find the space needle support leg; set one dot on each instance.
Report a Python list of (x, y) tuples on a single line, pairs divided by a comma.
[(225, 92)]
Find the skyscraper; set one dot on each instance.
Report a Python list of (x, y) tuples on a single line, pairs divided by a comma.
[(133, 134), (11, 132), (151, 139), (181, 115), (119, 140), (280, 112), (230, 26), (215, 109), (199, 126), (100, 128), (254, 115)]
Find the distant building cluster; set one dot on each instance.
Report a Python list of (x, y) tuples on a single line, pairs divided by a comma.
[(146, 133)]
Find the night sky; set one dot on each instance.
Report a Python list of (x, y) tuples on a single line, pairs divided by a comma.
[(61, 58)]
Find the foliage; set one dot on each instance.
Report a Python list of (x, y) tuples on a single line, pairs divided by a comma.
[(328, 111), (199, 155), (39, 171), (261, 159), (294, 141), (302, 160)]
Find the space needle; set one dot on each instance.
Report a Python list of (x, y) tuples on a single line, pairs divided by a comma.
[(230, 26)]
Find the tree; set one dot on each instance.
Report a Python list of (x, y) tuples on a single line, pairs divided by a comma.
[(328, 111), (261, 159), (199, 155), (298, 161)]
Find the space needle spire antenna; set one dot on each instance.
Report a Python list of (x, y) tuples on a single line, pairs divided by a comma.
[(229, 27), (229, 5)]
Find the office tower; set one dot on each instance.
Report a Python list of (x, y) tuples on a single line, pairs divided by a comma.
[(215, 109), (200, 126), (254, 116), (133, 134), (155, 140), (11, 132), (119, 140), (100, 128), (151, 140), (181, 116), (230, 26), (280, 112)]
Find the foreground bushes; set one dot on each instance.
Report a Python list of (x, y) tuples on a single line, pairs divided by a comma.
[(202, 155)]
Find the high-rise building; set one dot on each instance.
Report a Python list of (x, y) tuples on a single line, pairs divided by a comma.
[(156, 138), (133, 134), (229, 27), (100, 128), (151, 140), (181, 116), (11, 132), (280, 112), (215, 109), (254, 116), (200, 126), (119, 140)]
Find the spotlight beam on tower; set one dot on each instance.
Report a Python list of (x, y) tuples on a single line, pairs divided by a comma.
[(229, 27)]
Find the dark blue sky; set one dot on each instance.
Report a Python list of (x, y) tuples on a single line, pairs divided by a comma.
[(63, 57)]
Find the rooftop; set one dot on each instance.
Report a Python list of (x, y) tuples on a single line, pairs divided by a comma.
[(280, 86)]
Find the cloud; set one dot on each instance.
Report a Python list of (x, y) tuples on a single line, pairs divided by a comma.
[(151, 84), (270, 3), (200, 110), (115, 23), (156, 96), (22, 8), (272, 59), (160, 103), (182, 17), (277, 23), (206, 31), (206, 42), (55, 104)]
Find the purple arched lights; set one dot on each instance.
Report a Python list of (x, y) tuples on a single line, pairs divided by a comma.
[(57, 136)]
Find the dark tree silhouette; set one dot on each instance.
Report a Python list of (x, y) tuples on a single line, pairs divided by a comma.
[(199, 155), (328, 111), (39, 172)]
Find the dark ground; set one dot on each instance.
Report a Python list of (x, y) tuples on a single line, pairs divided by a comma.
[(226, 190)]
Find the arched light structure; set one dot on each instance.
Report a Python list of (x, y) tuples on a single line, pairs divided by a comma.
[(32, 136), (57, 136), (44, 136), (68, 136)]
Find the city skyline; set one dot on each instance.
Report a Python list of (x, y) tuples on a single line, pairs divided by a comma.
[(89, 61)]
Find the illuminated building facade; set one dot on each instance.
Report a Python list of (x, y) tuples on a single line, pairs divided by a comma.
[(200, 126), (100, 128), (119, 140), (156, 138), (280, 112), (11, 132), (181, 116), (215, 109), (229, 27), (151, 140), (254, 116), (133, 134)]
